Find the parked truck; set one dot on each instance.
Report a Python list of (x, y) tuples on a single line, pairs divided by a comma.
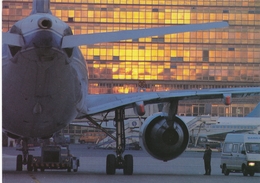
[(53, 157)]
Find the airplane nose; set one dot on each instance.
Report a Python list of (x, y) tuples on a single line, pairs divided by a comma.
[(44, 23)]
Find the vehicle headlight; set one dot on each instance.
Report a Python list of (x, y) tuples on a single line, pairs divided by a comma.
[(251, 163)]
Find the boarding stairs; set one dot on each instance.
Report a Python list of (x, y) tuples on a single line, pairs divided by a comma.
[(131, 134), (199, 122), (203, 119)]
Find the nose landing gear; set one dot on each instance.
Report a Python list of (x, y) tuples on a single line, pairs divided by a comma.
[(24, 159)]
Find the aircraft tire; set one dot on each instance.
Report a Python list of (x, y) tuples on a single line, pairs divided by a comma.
[(29, 163), (111, 164), (128, 168), (19, 163)]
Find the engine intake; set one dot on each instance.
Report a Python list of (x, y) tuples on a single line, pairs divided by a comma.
[(162, 141)]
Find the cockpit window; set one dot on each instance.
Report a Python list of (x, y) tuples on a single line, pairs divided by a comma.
[(67, 31), (15, 30), (14, 49), (68, 51)]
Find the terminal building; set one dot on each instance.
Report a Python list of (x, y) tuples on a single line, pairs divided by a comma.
[(217, 58)]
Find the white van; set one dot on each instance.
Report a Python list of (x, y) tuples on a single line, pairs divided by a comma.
[(241, 153)]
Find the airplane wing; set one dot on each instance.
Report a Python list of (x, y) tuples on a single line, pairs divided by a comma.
[(89, 39), (106, 102)]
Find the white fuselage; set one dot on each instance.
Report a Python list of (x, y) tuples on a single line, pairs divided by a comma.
[(43, 85), (227, 125)]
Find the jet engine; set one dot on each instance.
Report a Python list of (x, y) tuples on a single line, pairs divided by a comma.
[(162, 141)]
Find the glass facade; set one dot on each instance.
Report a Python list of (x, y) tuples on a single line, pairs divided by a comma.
[(227, 57)]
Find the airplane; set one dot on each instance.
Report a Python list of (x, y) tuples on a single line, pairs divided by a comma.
[(216, 132), (45, 87)]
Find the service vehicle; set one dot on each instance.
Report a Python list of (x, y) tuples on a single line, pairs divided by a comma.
[(241, 153), (53, 157)]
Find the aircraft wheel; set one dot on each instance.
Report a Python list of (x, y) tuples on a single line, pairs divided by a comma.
[(29, 163), (128, 167), (19, 163), (111, 164)]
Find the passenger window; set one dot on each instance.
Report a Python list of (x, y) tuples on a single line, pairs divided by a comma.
[(227, 148), (235, 147)]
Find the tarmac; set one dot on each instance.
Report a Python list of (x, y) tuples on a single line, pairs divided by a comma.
[(189, 167)]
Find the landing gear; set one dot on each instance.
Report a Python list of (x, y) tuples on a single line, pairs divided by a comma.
[(128, 168), (118, 161), (24, 159), (111, 164), (19, 163), (29, 163)]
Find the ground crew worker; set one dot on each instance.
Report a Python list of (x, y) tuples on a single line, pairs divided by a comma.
[(207, 159)]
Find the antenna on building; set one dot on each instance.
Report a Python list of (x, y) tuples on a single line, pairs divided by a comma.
[(41, 6)]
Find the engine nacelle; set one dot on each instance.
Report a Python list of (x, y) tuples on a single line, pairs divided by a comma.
[(161, 141)]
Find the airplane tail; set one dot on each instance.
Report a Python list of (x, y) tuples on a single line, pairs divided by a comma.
[(255, 112), (41, 6)]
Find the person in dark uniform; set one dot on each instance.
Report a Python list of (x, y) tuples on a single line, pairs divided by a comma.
[(207, 159)]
